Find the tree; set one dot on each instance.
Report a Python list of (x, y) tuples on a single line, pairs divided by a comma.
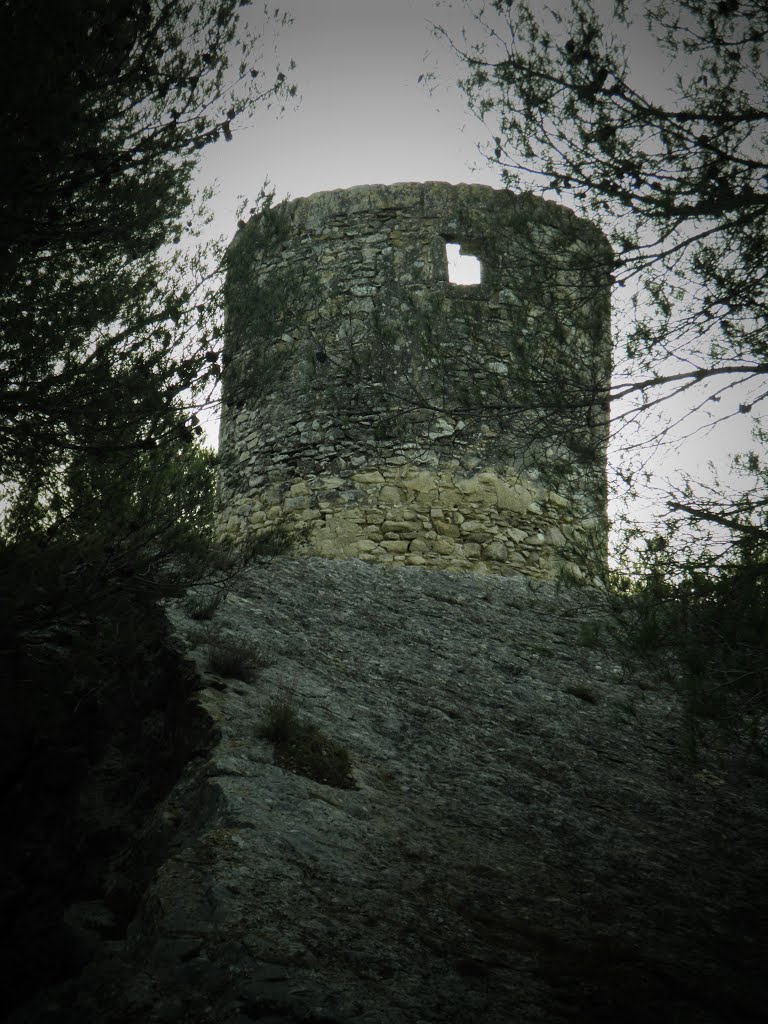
[(674, 168), (108, 344), (105, 331), (109, 329)]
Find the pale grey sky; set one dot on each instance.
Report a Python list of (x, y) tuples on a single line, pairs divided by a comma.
[(364, 118)]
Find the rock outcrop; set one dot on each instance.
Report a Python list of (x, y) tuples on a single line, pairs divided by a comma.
[(523, 836)]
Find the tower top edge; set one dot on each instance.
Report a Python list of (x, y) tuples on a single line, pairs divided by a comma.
[(424, 197), (432, 185)]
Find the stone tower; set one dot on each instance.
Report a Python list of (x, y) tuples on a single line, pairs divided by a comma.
[(376, 409)]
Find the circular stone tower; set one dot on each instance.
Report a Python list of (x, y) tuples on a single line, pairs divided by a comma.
[(377, 404)]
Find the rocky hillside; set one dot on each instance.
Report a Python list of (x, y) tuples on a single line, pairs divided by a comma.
[(438, 797)]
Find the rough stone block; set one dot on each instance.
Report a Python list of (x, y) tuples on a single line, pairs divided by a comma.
[(421, 482), (395, 546), (374, 477), (389, 496), (358, 546), (478, 537), (554, 536), (393, 526), (445, 529), (495, 552)]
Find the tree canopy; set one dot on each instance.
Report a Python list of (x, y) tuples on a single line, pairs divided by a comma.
[(110, 328), (104, 326)]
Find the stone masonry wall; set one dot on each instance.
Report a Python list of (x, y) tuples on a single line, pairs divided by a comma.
[(374, 409)]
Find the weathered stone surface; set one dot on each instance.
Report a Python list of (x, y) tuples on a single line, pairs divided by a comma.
[(350, 398), (495, 552), (529, 841)]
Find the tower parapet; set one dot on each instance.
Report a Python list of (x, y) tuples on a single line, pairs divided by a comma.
[(377, 409)]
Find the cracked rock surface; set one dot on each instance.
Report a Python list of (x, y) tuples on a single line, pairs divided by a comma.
[(529, 839)]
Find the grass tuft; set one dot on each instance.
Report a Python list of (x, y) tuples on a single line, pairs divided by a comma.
[(234, 659), (303, 748)]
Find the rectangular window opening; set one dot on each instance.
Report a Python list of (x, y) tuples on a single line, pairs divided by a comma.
[(462, 268)]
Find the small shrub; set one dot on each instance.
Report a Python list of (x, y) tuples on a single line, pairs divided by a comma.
[(234, 659), (201, 606), (302, 748), (280, 539), (648, 633), (283, 720), (232, 556), (699, 609), (274, 541)]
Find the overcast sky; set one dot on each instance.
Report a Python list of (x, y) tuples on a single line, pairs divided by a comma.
[(365, 118)]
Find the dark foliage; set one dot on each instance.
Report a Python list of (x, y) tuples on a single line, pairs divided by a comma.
[(708, 613), (109, 338), (97, 725), (105, 331)]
